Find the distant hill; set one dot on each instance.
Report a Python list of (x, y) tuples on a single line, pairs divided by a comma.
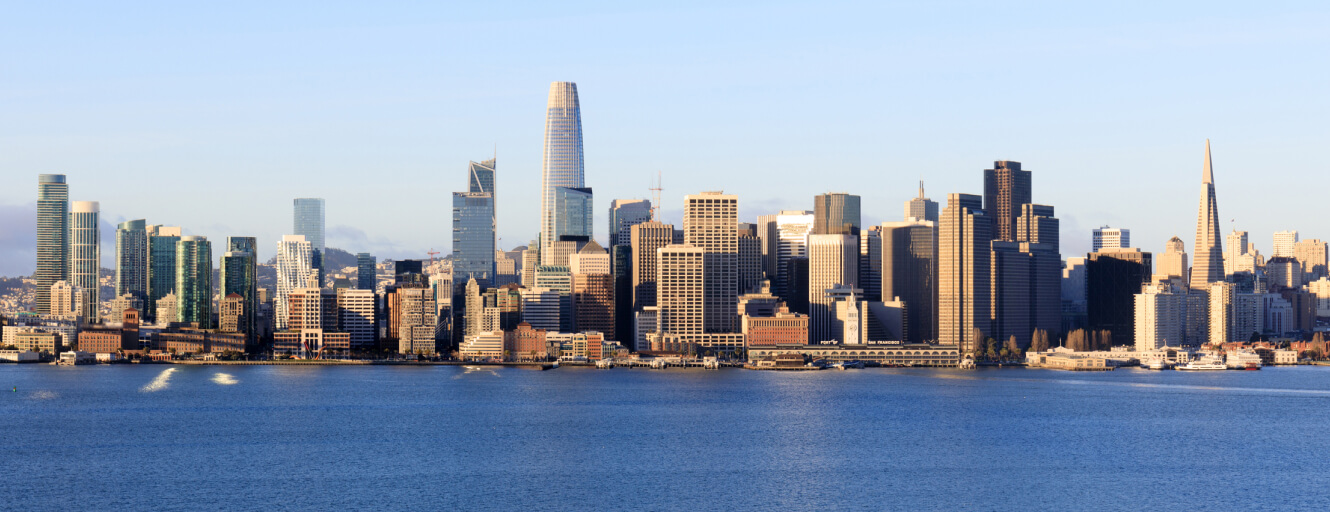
[(334, 259)]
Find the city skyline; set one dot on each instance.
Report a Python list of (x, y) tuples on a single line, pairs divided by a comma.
[(1136, 131)]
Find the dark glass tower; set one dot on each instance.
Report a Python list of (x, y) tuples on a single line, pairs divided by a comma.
[(1006, 188)]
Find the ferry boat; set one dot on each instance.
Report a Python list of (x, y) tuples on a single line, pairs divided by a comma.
[(1156, 364), (1252, 366), (1207, 363), (605, 364)]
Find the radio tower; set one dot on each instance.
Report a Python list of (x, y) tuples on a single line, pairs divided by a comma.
[(655, 198)]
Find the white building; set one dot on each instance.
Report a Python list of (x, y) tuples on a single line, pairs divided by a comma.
[(832, 260), (1106, 237), (1284, 242), (355, 309), (295, 270), (486, 345), (1161, 316)]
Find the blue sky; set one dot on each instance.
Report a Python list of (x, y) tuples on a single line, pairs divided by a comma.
[(214, 117)]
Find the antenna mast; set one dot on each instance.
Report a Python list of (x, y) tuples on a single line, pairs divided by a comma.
[(655, 198)]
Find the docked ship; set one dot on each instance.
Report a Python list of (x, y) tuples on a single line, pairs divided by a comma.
[(1207, 363), (1157, 364)]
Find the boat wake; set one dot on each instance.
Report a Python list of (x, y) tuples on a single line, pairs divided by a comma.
[(44, 395), (162, 381), (224, 379), (476, 369)]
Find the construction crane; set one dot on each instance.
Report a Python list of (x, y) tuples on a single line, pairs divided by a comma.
[(655, 198), (432, 253)]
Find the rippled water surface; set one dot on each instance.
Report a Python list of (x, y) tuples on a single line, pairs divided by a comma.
[(330, 438)]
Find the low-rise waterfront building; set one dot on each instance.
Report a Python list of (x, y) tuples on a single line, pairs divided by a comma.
[(896, 354)]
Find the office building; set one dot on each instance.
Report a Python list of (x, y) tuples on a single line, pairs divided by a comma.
[(66, 300), (161, 268), (1284, 240), (239, 277), (1011, 304), (1037, 228), (559, 279), (921, 208), (295, 270), (85, 257), (480, 177), (832, 260), (593, 298), (131, 259), (680, 295), (1208, 267), (711, 223), (749, 259), (473, 237), (964, 237), (52, 237), (416, 320), (562, 166), (870, 263), (590, 259), (792, 230), (540, 308), (1006, 188), (231, 313), (124, 303), (1110, 238), (309, 222), (1312, 255), (909, 271), (1173, 263), (645, 239), (624, 214), (355, 316), (367, 277), (836, 214), (1113, 277), (1282, 273)]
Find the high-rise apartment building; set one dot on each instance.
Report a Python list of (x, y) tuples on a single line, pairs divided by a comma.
[(52, 237), (193, 279), (680, 294), (1160, 317), (1110, 238), (295, 270), (836, 213), (367, 272), (711, 223), (309, 222), (1006, 188), (1282, 273), (131, 259), (416, 320), (1284, 242), (1208, 267), (832, 260), (562, 165), (85, 256), (161, 268), (645, 239), (964, 237), (473, 237), (921, 207), (909, 272)]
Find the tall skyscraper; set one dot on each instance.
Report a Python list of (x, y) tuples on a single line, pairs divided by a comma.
[(711, 222), (1113, 277), (836, 214), (792, 230), (1312, 255), (964, 238), (240, 276), (367, 273), (870, 264), (480, 177), (52, 236), (749, 259), (1284, 240), (921, 207), (131, 259), (473, 237), (593, 290), (309, 222), (295, 270), (562, 165), (1037, 229), (573, 216), (1160, 317), (833, 259), (1208, 267), (161, 268), (624, 214), (1011, 303), (194, 281), (1006, 188), (646, 238), (680, 293), (909, 272), (1110, 238), (85, 256)]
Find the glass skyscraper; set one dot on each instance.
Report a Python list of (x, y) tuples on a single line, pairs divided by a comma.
[(562, 165), (131, 259), (309, 222), (574, 213), (473, 237), (161, 267), (366, 272), (194, 281), (85, 255), (52, 236), (240, 276), (481, 176)]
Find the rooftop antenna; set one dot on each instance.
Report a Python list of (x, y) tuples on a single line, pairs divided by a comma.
[(655, 198)]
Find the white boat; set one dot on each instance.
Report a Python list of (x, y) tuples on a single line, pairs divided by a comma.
[(1156, 364), (1205, 364)]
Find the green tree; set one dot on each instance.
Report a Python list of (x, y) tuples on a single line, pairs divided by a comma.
[(992, 351), (1012, 348)]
